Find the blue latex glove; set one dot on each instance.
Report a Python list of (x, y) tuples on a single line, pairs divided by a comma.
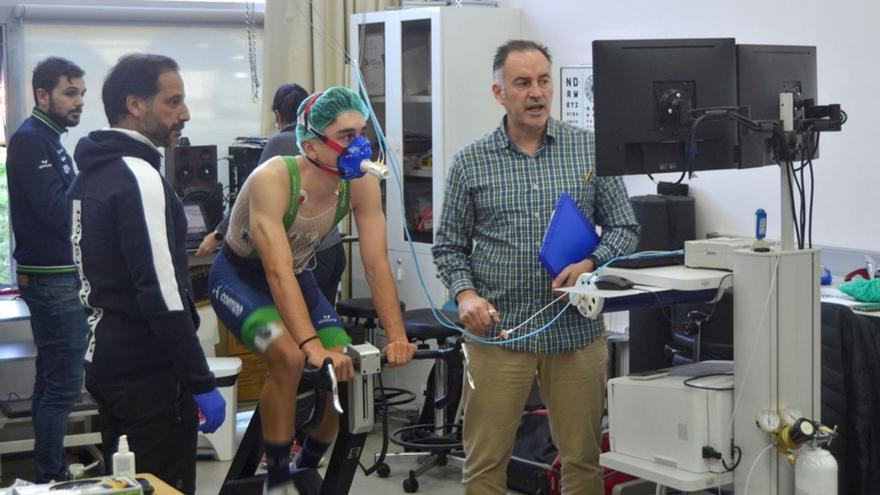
[(213, 408)]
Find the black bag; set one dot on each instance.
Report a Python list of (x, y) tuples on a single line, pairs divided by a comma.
[(533, 455)]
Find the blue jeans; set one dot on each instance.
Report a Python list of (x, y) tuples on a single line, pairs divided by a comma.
[(60, 330)]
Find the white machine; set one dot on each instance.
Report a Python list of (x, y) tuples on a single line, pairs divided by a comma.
[(713, 253), (685, 419), (777, 337)]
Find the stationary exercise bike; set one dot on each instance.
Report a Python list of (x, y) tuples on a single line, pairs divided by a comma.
[(353, 401)]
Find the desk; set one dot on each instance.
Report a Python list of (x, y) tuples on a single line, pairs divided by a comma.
[(833, 295), (160, 487), (658, 286)]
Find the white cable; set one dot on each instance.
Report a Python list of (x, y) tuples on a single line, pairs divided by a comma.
[(511, 330), (751, 469), (339, 45), (754, 349), (339, 48)]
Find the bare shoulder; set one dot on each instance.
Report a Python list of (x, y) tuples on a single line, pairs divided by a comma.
[(269, 185), (270, 171)]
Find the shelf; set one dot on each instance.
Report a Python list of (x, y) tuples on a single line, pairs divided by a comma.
[(417, 99), (406, 99), (17, 350), (664, 475), (423, 173)]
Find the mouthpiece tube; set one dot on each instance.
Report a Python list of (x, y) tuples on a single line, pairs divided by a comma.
[(375, 168)]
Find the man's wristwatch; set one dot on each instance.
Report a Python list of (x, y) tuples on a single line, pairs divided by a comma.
[(595, 261), (218, 236)]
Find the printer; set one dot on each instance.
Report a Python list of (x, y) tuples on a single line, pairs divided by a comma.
[(662, 419)]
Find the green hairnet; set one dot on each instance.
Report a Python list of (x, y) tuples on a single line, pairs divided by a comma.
[(325, 109)]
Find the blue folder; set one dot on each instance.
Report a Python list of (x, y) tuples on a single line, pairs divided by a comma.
[(570, 237)]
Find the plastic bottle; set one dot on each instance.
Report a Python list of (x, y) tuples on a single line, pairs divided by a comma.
[(123, 459)]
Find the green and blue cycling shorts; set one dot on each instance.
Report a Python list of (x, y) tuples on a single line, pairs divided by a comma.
[(242, 300)]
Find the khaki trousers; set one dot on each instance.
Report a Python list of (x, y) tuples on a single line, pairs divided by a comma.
[(573, 389)]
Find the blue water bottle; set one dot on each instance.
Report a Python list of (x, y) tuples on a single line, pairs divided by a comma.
[(760, 245)]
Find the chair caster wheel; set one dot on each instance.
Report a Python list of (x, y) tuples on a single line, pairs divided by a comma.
[(383, 470), (411, 484)]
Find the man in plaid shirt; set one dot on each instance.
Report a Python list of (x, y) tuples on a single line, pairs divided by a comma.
[(499, 198)]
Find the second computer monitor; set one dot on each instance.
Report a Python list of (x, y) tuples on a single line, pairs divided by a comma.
[(763, 72), (643, 93)]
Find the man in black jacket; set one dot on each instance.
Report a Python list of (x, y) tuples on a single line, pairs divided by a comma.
[(40, 171), (144, 365)]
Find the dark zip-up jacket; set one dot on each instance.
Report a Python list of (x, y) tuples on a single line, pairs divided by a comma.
[(39, 172), (128, 234)]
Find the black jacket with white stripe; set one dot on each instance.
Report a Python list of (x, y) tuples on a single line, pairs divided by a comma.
[(128, 230)]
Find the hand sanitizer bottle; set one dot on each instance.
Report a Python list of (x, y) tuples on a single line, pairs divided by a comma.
[(123, 459)]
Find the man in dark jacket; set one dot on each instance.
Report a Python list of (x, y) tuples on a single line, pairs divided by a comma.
[(144, 365), (40, 171)]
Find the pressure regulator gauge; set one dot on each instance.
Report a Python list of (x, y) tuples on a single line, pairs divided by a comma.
[(768, 421)]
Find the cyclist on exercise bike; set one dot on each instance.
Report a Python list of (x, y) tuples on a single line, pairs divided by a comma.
[(260, 283)]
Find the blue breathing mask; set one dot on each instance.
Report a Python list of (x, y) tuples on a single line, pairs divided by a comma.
[(349, 162)]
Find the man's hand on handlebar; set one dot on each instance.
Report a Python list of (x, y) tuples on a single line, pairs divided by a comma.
[(343, 366), (398, 353)]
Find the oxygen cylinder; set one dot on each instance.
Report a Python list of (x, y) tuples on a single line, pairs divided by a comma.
[(815, 472)]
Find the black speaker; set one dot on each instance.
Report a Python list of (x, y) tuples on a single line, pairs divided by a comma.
[(192, 173), (243, 159), (667, 221), (189, 167)]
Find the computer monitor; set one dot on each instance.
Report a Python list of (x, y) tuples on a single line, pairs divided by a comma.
[(643, 91), (764, 71), (195, 220)]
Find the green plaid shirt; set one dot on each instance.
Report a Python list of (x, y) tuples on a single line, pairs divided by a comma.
[(496, 208)]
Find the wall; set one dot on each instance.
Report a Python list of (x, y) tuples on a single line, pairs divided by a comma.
[(848, 66)]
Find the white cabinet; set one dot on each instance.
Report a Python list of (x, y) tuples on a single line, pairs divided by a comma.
[(428, 74)]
